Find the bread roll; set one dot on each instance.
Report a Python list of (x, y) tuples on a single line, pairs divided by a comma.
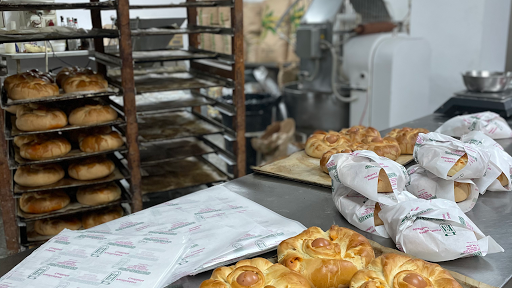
[(34, 117), (91, 168), (321, 142), (45, 147), (342, 250), (92, 114), (503, 179), (97, 217), (20, 140), (53, 226), (376, 219), (459, 165), (255, 273), (101, 142), (383, 185), (38, 175), (84, 81), (30, 85), (44, 201), (461, 191), (98, 194)]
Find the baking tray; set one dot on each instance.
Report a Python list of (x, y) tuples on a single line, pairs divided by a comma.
[(173, 125), (302, 168), (75, 153), (184, 173), (159, 82), (73, 207), (6, 102), (155, 56), (120, 172), (33, 36), (151, 154)]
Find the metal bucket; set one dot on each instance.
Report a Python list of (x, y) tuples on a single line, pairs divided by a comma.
[(315, 111)]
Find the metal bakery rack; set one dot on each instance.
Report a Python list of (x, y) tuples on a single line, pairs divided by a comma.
[(173, 134)]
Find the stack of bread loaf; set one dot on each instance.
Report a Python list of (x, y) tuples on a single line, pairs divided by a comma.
[(335, 258), (323, 144), (35, 84)]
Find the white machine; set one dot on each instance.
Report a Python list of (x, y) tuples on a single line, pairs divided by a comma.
[(356, 54)]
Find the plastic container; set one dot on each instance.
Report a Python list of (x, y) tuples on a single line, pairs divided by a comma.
[(58, 46)]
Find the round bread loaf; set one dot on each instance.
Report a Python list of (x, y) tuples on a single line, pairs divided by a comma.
[(20, 140), (461, 191), (91, 168), (45, 147), (101, 142), (30, 85), (327, 259), (39, 118), (321, 142), (255, 273), (92, 114), (98, 217), (38, 175), (98, 194), (65, 72), (44, 201), (77, 135), (53, 226), (84, 81), (459, 165)]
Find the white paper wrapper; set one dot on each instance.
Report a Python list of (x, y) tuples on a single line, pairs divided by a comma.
[(490, 123), (438, 153), (426, 185), (500, 161), (354, 189), (435, 230)]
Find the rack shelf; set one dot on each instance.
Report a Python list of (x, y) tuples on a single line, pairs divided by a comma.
[(140, 57), (46, 36)]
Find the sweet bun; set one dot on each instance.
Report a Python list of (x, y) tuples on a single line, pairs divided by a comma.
[(376, 219), (20, 140), (398, 271), (45, 147), (92, 114), (38, 175), (30, 85), (98, 194), (255, 273), (503, 179), (98, 217), (385, 147), (383, 184), (326, 259), (461, 191), (327, 155), (91, 168), (406, 138), (53, 226), (459, 165), (35, 117), (101, 142), (321, 142), (43, 201)]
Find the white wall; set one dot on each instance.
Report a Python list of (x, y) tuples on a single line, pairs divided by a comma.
[(463, 35)]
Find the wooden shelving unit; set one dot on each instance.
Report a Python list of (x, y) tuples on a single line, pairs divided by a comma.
[(207, 69)]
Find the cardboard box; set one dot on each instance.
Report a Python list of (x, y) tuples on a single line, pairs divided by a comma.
[(272, 48), (224, 16)]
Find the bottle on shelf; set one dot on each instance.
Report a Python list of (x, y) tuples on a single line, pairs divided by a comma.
[(71, 43), (78, 41)]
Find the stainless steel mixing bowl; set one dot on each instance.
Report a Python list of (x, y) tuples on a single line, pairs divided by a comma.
[(485, 81)]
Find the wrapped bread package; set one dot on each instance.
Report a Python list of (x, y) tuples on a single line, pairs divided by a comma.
[(362, 179), (490, 123), (435, 230), (497, 175), (426, 185), (449, 158)]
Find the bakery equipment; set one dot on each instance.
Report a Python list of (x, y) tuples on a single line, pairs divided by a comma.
[(353, 51), (485, 81), (464, 102)]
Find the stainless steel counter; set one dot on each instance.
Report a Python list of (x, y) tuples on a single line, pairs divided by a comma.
[(313, 206)]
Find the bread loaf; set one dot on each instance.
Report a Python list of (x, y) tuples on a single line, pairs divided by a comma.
[(321, 142), (384, 185), (255, 273), (386, 147), (360, 133), (30, 85), (34, 117), (91, 168), (376, 219), (459, 165), (45, 147), (43, 201), (98, 217), (84, 82), (101, 142), (461, 191), (406, 138), (38, 175), (92, 114), (20, 140), (327, 155), (503, 179), (53, 226), (98, 194)]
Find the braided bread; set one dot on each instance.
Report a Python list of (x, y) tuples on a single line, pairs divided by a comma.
[(406, 138), (385, 147), (255, 273), (320, 142), (327, 155), (326, 259), (397, 271), (360, 133)]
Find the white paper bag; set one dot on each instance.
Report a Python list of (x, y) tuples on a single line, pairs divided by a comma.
[(438, 153), (490, 123), (426, 185), (500, 162), (354, 187), (435, 230)]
